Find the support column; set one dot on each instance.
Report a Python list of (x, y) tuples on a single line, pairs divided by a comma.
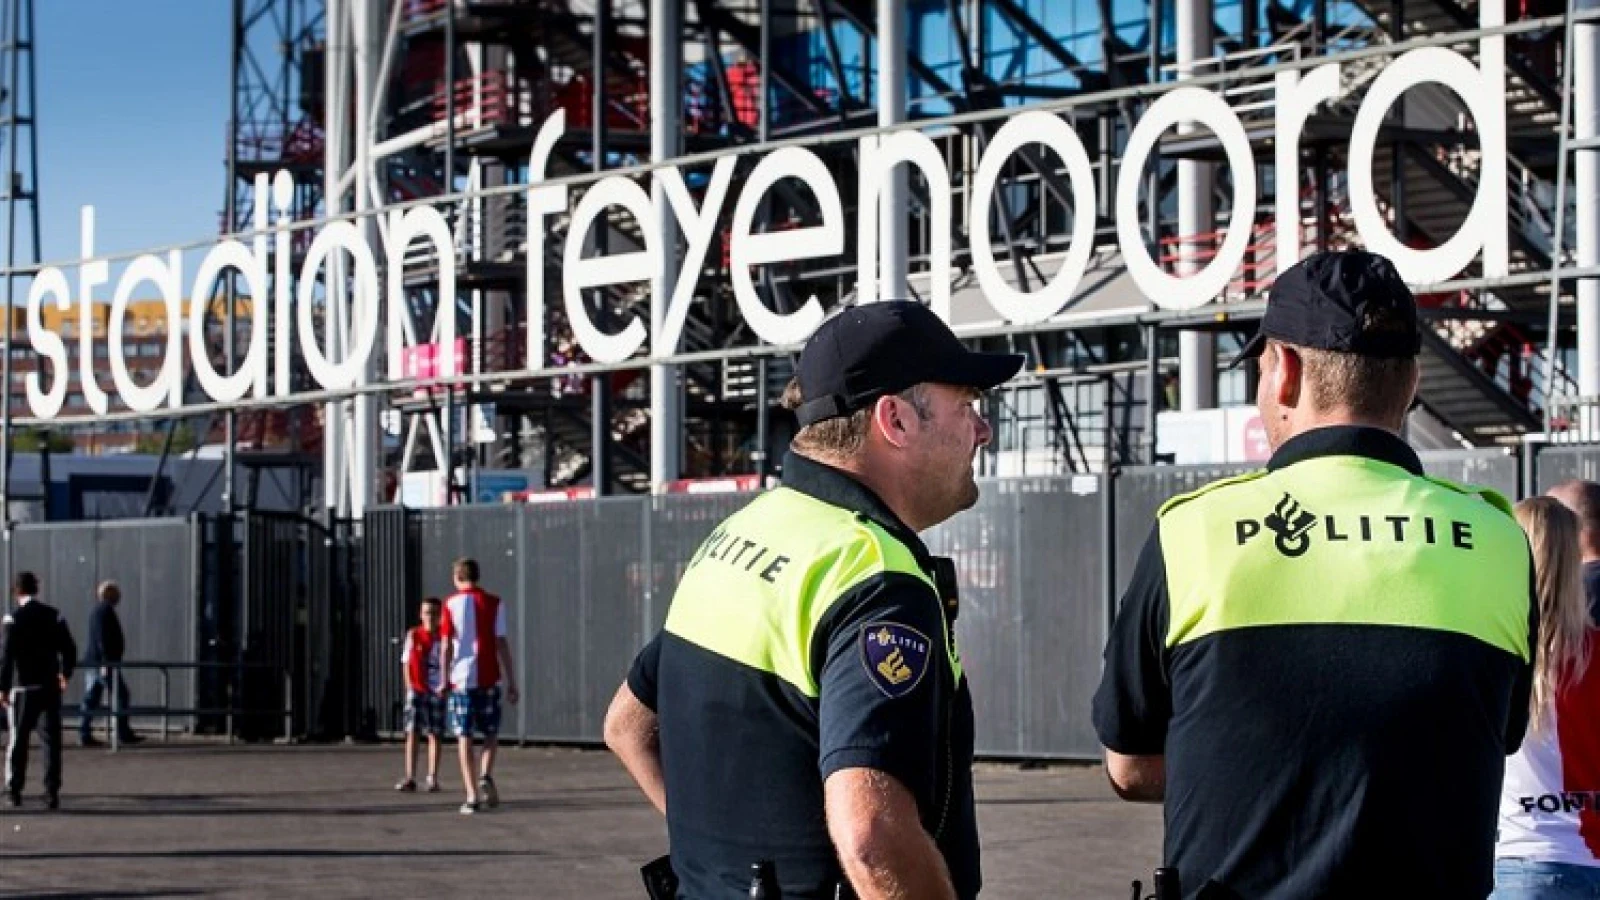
[(600, 385), (1586, 177), (367, 28), (893, 202), (336, 160), (666, 129), (1197, 350)]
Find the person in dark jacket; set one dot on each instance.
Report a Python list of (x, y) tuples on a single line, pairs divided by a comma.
[(105, 648), (37, 655)]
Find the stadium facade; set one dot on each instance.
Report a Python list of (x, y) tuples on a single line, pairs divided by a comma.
[(1027, 167)]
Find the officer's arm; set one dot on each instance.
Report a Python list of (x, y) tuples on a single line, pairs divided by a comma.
[(882, 673), (632, 730), (876, 830), (1134, 701)]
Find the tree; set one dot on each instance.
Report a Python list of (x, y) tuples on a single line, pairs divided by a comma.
[(34, 440), (183, 440)]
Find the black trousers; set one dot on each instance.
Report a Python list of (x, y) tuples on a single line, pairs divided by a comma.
[(34, 709)]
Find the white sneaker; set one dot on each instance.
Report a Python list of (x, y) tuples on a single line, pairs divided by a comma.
[(470, 807)]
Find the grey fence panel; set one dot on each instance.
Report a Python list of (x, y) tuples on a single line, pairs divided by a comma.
[(1029, 558), (614, 604), (556, 569), (1496, 469), (153, 561), (389, 600), (1558, 464), (485, 533), (679, 523), (1062, 608), (984, 544), (1139, 493)]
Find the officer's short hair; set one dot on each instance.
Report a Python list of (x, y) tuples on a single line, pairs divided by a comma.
[(432, 601), (1367, 386), (466, 569), (27, 584), (105, 589), (843, 435)]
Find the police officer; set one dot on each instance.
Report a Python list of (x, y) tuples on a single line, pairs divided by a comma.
[(805, 703), (37, 655), (1322, 666)]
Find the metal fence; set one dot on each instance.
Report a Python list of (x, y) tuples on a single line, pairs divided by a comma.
[(155, 562), (324, 607)]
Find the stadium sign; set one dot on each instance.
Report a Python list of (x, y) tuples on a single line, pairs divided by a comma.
[(1480, 86)]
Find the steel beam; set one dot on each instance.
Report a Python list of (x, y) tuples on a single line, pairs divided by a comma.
[(893, 234), (1586, 182), (1197, 350), (666, 142)]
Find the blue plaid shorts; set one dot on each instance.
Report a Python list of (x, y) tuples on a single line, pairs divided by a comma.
[(475, 710), (424, 714)]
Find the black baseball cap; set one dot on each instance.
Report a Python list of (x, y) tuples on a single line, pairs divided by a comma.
[(1348, 301), (868, 351)]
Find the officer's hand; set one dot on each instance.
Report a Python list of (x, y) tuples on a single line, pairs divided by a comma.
[(5, 700), (105, 671), (512, 695), (62, 680)]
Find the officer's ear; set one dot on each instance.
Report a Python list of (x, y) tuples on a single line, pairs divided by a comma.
[(891, 418), (1283, 373)]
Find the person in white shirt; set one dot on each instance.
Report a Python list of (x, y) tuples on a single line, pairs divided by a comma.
[(1548, 844)]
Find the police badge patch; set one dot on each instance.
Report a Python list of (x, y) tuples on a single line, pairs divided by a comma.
[(896, 657)]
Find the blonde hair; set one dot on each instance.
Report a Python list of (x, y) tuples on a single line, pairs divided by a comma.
[(1563, 639)]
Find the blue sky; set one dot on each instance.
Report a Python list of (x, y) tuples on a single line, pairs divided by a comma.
[(133, 109)]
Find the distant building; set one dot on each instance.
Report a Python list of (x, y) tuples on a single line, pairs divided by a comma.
[(144, 348)]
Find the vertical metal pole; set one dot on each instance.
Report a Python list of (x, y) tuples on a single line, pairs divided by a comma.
[(1152, 375), (764, 127), (13, 177), (368, 33), (1558, 238), (892, 201), (1197, 350), (600, 385), (112, 725), (1152, 197), (1585, 55), (230, 421), (1397, 174), (666, 142), (447, 305), (335, 159), (763, 421)]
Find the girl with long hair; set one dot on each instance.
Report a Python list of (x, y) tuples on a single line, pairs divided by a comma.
[(1548, 844)]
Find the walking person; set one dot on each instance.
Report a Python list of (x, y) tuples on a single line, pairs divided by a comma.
[(1320, 667), (104, 647), (476, 659), (1547, 848), (423, 663), (37, 655), (805, 704)]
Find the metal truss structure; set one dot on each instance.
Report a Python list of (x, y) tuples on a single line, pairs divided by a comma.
[(443, 98)]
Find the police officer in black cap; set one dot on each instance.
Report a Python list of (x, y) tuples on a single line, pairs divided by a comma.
[(804, 704), (1320, 667)]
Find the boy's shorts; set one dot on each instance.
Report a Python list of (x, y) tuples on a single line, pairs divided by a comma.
[(424, 714), (475, 710)]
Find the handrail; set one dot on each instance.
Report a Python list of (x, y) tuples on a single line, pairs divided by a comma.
[(114, 710)]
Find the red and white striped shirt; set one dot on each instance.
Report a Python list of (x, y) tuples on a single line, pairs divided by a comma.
[(1548, 808), (472, 620)]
